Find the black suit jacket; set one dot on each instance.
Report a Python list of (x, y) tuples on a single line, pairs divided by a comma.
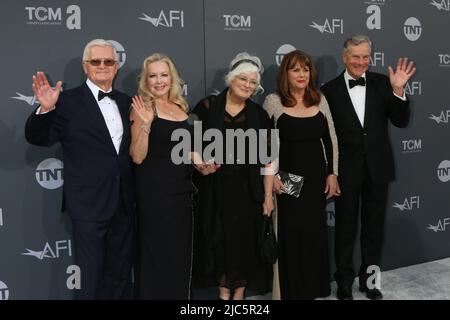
[(95, 176), (371, 142)]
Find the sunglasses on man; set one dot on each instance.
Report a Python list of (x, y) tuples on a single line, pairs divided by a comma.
[(97, 62)]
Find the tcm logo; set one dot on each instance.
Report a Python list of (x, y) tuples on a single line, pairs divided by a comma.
[(377, 59), (30, 100), (235, 22), (442, 117), (121, 55), (284, 49), (4, 291), (408, 204), (412, 29), (335, 26), (1, 217), (443, 171), (167, 20), (49, 173), (413, 88), (373, 21), (411, 146), (441, 226), (441, 4), (49, 252), (44, 16), (444, 59), (330, 213)]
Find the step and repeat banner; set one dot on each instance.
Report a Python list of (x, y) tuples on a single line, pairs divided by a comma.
[(202, 36)]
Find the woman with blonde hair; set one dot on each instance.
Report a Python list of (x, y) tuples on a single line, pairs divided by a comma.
[(163, 189)]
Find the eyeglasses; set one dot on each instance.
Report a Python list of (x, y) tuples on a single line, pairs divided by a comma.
[(98, 62), (251, 83)]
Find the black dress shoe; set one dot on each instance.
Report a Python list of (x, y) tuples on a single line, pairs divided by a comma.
[(372, 294), (344, 293)]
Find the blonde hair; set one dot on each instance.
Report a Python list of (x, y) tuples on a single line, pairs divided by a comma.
[(175, 88)]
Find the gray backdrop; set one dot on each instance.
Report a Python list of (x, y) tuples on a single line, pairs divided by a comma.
[(202, 36)]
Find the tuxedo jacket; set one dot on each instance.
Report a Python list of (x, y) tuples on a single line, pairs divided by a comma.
[(95, 176), (369, 143)]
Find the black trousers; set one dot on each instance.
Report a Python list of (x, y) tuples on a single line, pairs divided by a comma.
[(104, 252), (370, 199)]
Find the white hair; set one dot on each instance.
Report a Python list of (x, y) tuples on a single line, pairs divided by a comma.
[(98, 42), (245, 63)]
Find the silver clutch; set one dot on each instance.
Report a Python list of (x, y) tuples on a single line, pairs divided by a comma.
[(292, 183)]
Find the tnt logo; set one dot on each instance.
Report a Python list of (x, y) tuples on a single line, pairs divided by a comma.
[(335, 26), (443, 171), (441, 226), (444, 60), (53, 16), (410, 146), (408, 204), (50, 252), (442, 117), (441, 5), (412, 29), (377, 59), (413, 88), (284, 49), (329, 211), (237, 23), (121, 55), (4, 291), (167, 20), (49, 173)]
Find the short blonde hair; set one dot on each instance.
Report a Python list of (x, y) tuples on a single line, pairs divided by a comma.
[(177, 83)]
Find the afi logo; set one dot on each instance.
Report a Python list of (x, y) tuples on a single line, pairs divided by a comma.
[(49, 173), (377, 59), (410, 146), (1, 217), (31, 100), (441, 5), (441, 225), (444, 59), (409, 204), (412, 29), (284, 49), (413, 88), (443, 171), (336, 25), (49, 252), (166, 20), (442, 118), (53, 16), (4, 291), (236, 22)]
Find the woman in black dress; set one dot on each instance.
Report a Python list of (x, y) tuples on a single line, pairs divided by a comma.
[(231, 201), (164, 190), (302, 116)]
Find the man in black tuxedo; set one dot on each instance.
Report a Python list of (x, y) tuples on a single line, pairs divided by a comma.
[(91, 122), (361, 103)]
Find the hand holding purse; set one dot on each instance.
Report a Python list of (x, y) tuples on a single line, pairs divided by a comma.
[(292, 183)]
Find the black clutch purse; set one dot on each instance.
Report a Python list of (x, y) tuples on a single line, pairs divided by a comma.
[(292, 183), (267, 241)]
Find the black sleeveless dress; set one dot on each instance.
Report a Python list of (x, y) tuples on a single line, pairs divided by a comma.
[(164, 218)]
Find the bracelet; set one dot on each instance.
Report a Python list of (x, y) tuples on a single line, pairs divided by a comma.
[(268, 194), (145, 128)]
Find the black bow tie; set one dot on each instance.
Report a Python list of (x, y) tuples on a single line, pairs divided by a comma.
[(359, 82), (111, 95)]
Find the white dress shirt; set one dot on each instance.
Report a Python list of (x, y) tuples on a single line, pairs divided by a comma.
[(110, 113), (358, 97)]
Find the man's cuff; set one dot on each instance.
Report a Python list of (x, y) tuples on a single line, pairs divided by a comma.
[(400, 97), (39, 109)]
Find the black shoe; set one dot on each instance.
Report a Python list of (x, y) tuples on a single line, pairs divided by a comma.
[(344, 293), (372, 294)]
